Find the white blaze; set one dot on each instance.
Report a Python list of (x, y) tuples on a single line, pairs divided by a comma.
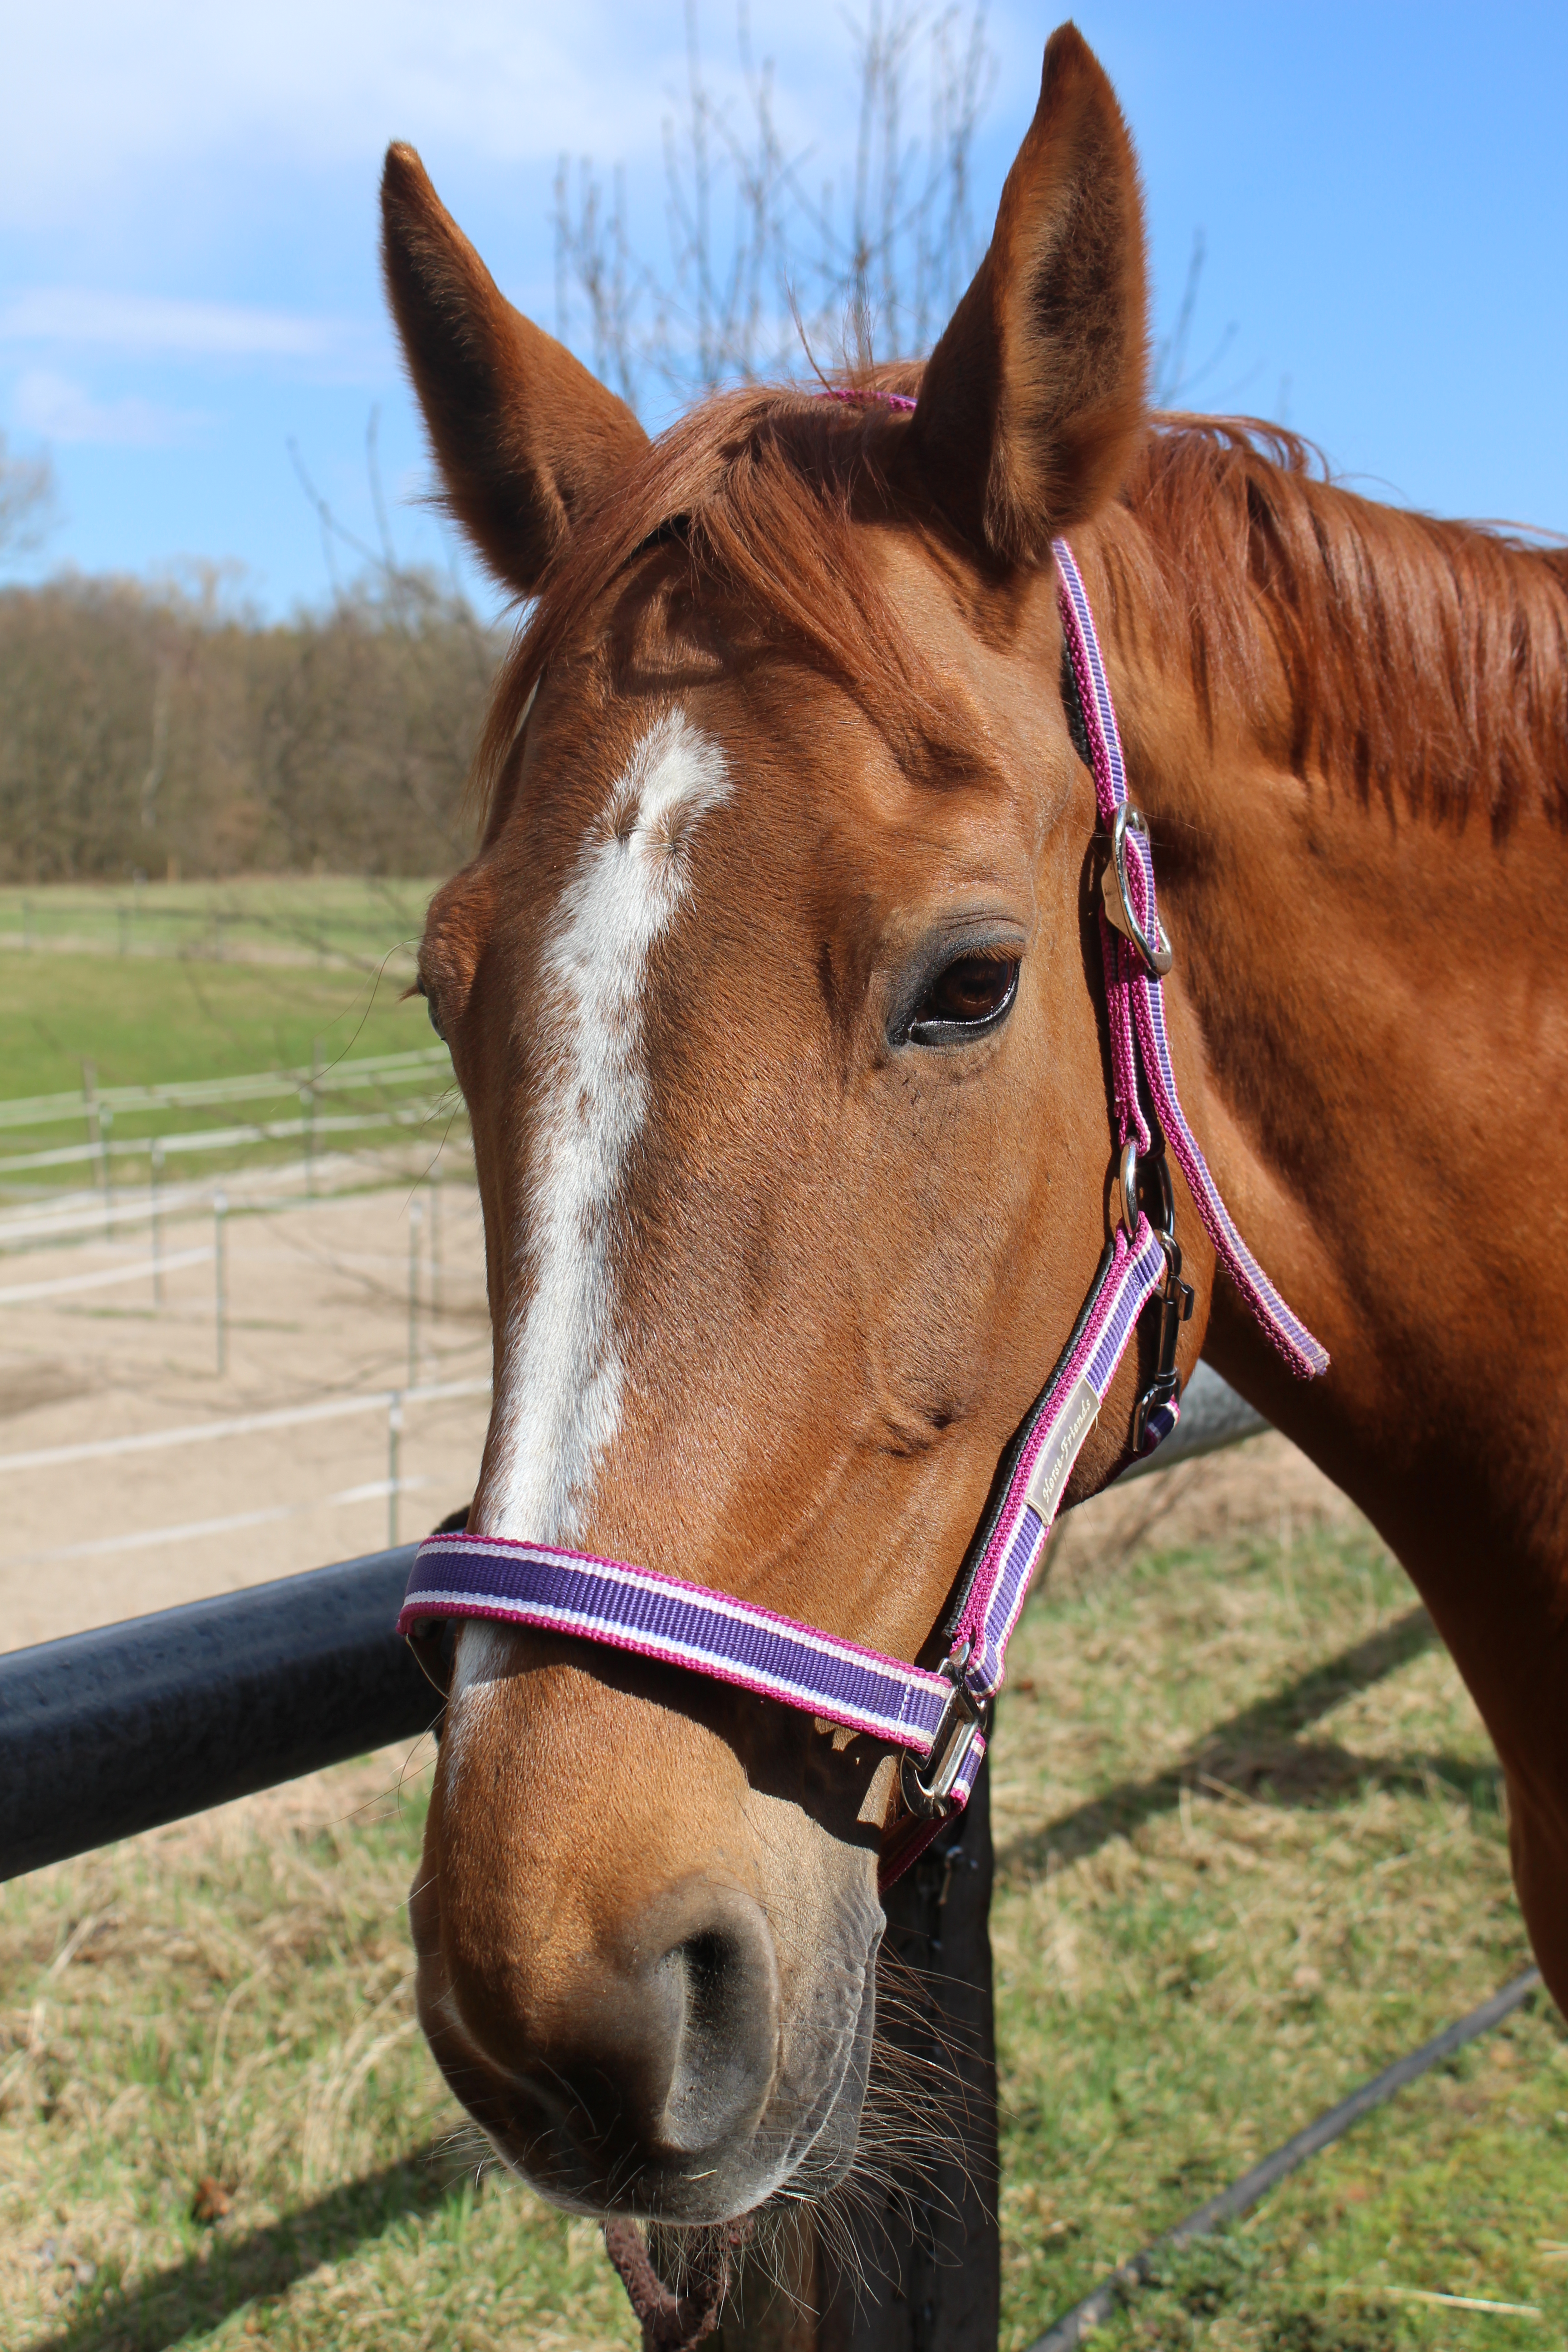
[(559, 1400)]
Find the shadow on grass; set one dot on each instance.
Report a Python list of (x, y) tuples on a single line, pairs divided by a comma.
[(192, 2297), (1259, 1749)]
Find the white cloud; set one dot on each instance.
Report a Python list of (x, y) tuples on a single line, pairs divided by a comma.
[(63, 410), (100, 95), (110, 90), (167, 325)]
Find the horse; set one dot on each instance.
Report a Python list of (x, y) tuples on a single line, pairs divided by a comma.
[(774, 990)]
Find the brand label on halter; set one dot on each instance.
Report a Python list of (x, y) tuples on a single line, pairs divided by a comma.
[(1060, 1451)]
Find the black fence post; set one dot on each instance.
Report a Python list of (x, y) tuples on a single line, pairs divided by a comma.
[(929, 2277)]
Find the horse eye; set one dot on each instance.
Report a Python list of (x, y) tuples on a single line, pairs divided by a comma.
[(432, 1008), (974, 994)]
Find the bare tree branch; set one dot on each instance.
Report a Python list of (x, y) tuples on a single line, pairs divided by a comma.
[(1174, 382), (27, 500), (762, 265)]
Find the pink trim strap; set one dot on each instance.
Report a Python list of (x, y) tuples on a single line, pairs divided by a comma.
[(1136, 1000)]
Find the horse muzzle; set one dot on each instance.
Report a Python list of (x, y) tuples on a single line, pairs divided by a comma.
[(678, 2072)]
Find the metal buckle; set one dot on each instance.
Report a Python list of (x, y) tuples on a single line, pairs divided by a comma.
[(1129, 1187), (1156, 953), (964, 1720), (1176, 1303), (1133, 1168)]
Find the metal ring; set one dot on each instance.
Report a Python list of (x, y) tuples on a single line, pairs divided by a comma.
[(1158, 954), (1129, 1187), (932, 1801), (964, 1720)]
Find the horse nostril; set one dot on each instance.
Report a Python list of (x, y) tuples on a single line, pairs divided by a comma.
[(640, 2068), (719, 1987)]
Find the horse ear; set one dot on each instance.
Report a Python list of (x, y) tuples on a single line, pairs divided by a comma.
[(524, 436), (1034, 399)]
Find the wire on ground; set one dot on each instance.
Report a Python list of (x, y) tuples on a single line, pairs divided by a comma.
[(1096, 2308)]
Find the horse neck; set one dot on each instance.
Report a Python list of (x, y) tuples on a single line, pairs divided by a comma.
[(1369, 1011)]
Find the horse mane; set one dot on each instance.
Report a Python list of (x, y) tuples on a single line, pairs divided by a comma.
[(1420, 657), (763, 492)]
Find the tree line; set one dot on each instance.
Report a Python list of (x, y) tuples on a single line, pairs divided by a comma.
[(143, 730)]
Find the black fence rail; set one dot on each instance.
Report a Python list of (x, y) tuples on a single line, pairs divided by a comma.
[(123, 1728), (107, 1733)]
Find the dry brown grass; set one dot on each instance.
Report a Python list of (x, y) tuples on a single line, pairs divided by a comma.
[(217, 2020)]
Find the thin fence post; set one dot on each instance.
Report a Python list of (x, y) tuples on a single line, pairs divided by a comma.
[(308, 1118), (415, 1219), (435, 1243), (106, 1137), (317, 1066), (220, 1287), (924, 2272), (90, 1101), (155, 1181), (393, 1473)]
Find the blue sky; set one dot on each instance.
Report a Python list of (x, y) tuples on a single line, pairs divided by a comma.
[(187, 232)]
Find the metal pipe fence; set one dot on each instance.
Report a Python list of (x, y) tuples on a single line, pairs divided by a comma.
[(307, 1127), (107, 1733), (243, 1425)]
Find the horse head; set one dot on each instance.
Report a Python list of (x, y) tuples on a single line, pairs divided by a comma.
[(773, 990)]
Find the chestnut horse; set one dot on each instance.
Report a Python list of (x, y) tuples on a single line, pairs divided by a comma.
[(775, 992)]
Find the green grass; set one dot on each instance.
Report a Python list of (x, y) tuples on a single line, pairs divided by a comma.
[(145, 1017), (236, 2010), (145, 1023), (1250, 1849), (149, 1023)]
